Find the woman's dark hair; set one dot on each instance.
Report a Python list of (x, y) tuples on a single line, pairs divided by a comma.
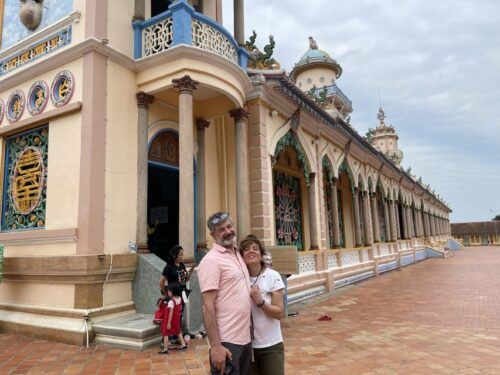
[(173, 253), (249, 241), (175, 288)]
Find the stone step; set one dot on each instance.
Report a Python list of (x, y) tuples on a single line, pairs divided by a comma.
[(131, 331)]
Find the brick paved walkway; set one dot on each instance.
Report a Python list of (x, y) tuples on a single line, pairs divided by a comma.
[(441, 316)]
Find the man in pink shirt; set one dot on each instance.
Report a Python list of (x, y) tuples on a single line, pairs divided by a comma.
[(225, 287)]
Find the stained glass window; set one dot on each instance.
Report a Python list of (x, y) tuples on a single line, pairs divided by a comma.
[(287, 210), (25, 176)]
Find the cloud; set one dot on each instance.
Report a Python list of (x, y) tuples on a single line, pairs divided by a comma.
[(438, 70)]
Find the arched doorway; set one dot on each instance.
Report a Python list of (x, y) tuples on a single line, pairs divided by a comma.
[(163, 192)]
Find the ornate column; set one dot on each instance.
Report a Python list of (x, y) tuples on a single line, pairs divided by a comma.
[(375, 218), (357, 222), (393, 220), (409, 222), (427, 225), (143, 102), (139, 10), (388, 225), (313, 225), (335, 213), (365, 196), (239, 21), (186, 86), (201, 246), (240, 117), (405, 222)]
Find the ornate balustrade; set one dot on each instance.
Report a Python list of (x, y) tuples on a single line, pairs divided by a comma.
[(181, 24)]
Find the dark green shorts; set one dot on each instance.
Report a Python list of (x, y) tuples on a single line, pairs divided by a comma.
[(269, 361)]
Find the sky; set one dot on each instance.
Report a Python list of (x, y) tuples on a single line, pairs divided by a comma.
[(437, 67)]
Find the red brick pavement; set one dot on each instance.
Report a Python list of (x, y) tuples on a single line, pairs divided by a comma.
[(440, 316)]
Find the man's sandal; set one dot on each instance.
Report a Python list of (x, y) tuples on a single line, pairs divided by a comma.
[(182, 348), (164, 351)]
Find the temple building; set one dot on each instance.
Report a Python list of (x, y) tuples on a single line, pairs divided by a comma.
[(479, 233), (125, 123)]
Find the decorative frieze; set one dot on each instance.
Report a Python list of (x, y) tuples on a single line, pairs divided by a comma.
[(38, 97), (48, 45), (25, 176), (62, 88), (15, 106)]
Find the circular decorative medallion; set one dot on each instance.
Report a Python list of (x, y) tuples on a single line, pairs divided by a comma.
[(15, 106), (37, 97), (62, 88), (2, 110), (27, 180)]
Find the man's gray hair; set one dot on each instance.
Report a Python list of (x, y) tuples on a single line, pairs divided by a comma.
[(215, 219)]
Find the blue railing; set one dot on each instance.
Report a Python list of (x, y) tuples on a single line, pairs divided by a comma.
[(181, 24)]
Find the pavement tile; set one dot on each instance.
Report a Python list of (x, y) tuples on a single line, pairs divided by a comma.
[(439, 316)]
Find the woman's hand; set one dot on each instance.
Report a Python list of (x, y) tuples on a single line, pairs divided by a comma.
[(255, 294), (169, 326)]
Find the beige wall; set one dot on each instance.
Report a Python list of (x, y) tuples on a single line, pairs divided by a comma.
[(115, 293), (54, 295), (120, 31), (315, 75), (121, 160), (220, 168)]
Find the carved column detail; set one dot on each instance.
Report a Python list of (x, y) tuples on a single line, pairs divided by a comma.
[(143, 102), (240, 117), (186, 86)]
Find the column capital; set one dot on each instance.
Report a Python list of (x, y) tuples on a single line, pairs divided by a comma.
[(335, 180), (201, 124), (312, 176), (239, 114), (143, 99), (185, 85)]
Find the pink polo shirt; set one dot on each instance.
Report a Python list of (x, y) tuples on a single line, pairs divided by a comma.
[(227, 273)]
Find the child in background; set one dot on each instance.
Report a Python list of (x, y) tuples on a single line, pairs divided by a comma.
[(171, 325)]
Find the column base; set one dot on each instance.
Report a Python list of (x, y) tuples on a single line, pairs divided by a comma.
[(313, 248)]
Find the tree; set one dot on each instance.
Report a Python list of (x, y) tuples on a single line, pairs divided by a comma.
[(496, 218)]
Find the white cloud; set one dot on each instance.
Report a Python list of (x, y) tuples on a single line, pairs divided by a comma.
[(438, 70)]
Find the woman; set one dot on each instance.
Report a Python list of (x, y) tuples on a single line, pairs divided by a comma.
[(175, 271), (267, 309)]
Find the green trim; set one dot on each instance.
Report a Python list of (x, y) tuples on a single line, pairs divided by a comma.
[(289, 139)]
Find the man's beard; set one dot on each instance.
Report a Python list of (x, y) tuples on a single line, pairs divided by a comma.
[(228, 241)]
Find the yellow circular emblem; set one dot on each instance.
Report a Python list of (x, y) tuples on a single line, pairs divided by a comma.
[(27, 180)]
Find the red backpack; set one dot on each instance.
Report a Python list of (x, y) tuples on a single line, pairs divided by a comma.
[(160, 312)]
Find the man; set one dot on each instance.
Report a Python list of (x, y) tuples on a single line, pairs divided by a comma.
[(225, 287)]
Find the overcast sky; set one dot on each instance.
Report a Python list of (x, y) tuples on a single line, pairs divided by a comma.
[(437, 64)]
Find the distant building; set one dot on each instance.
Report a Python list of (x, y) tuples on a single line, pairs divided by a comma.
[(477, 233)]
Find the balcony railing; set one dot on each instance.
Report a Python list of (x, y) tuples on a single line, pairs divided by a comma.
[(334, 90), (181, 24)]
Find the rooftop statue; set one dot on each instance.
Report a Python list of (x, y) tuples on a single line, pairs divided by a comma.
[(30, 13), (259, 59), (312, 43)]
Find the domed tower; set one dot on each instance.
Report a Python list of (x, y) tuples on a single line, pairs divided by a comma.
[(385, 139), (316, 73)]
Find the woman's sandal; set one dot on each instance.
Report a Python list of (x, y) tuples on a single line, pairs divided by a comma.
[(163, 351)]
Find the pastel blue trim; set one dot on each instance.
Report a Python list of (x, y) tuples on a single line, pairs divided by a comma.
[(431, 253), (387, 267), (182, 14), (353, 279), (65, 35)]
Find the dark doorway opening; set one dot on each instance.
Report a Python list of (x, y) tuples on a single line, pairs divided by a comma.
[(159, 6), (163, 209)]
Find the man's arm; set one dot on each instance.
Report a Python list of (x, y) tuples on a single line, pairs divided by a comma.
[(218, 353)]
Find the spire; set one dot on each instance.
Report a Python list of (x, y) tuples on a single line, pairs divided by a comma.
[(381, 117)]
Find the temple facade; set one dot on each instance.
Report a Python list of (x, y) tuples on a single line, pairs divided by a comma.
[(125, 123)]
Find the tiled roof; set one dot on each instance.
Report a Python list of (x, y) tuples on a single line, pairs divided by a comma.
[(478, 227)]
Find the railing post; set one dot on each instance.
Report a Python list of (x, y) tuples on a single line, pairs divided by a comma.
[(181, 18), (137, 39), (243, 56)]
